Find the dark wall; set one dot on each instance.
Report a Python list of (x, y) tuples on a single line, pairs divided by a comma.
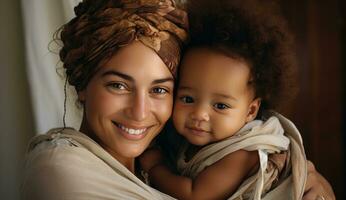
[(318, 111), (16, 118)]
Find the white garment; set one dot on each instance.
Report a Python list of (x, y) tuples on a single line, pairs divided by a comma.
[(68, 165), (267, 137)]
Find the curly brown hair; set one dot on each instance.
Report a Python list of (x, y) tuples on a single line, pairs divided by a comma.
[(254, 31)]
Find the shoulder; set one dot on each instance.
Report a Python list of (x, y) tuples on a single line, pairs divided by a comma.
[(55, 167), (241, 158), (54, 149)]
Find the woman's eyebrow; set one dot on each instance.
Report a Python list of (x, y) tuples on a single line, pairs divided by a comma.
[(116, 73), (127, 77), (169, 79)]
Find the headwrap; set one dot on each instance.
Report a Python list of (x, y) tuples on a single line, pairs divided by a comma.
[(101, 27)]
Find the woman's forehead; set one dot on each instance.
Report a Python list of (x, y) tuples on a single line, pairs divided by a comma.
[(135, 61)]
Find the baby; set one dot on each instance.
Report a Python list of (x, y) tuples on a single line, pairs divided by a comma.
[(236, 68)]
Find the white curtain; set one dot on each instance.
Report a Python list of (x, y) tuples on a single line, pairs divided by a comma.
[(41, 19)]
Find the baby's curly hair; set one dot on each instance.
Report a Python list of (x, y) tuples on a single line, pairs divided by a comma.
[(251, 30)]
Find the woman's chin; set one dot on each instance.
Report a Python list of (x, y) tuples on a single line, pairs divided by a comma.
[(132, 150)]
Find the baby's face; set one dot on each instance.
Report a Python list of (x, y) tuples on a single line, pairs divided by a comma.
[(214, 99)]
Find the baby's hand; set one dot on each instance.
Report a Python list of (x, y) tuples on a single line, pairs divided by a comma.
[(150, 158)]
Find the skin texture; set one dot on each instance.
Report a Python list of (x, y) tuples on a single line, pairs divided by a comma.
[(317, 185), (145, 101), (136, 105), (214, 100), (134, 89), (240, 163)]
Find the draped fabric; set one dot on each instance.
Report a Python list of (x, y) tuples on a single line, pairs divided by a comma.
[(102, 27), (280, 175), (41, 19), (66, 164)]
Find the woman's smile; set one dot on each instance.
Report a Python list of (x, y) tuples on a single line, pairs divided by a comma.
[(126, 105), (132, 132)]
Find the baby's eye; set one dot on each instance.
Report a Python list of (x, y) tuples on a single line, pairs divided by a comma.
[(159, 90), (186, 99), (221, 106)]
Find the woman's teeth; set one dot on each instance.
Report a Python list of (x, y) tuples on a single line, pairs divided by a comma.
[(132, 131)]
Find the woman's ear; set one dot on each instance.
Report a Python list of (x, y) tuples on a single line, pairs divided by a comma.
[(253, 109)]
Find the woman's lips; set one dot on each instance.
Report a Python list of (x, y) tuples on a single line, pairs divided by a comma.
[(132, 133)]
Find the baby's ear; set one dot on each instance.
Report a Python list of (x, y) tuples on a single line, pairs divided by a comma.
[(253, 109)]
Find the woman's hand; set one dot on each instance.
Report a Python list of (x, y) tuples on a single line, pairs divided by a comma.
[(150, 158), (317, 187)]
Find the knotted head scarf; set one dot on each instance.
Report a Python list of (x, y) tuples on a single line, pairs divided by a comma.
[(101, 27)]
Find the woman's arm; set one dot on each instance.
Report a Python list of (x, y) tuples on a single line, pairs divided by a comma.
[(317, 187), (217, 181)]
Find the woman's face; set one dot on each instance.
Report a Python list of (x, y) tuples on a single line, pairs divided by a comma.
[(128, 101)]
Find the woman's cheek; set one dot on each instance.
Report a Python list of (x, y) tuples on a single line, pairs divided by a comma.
[(164, 108)]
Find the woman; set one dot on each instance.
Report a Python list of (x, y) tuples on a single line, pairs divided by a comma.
[(121, 57)]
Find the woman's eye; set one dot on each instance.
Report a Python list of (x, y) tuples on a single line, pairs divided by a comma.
[(221, 106), (159, 90), (186, 99), (118, 86)]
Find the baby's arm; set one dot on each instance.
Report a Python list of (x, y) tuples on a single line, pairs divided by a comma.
[(217, 181)]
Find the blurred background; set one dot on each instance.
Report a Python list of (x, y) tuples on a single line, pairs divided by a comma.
[(31, 94), (319, 110)]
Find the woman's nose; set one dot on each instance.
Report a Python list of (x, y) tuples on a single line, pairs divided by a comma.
[(140, 106), (200, 113)]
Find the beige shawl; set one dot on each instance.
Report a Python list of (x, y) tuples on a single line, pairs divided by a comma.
[(281, 176), (66, 164)]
